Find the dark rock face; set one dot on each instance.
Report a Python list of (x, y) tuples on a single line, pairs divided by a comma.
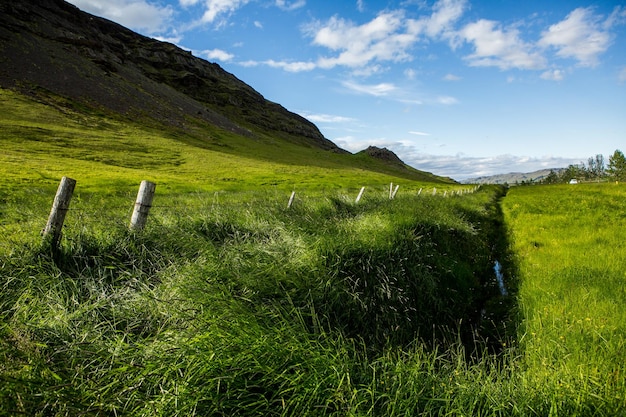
[(383, 154), (51, 45)]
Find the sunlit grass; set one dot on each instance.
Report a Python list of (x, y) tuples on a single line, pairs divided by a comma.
[(42, 143), (570, 246)]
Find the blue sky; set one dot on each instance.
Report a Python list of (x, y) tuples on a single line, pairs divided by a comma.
[(460, 88)]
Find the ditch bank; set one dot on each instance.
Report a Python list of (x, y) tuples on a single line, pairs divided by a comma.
[(438, 278)]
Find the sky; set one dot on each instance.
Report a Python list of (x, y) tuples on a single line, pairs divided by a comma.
[(460, 88)]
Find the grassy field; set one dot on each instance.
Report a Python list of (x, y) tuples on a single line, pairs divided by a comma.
[(229, 303), (570, 245), (240, 306)]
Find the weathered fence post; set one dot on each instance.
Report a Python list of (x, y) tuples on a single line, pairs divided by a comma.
[(419, 192), (293, 195), (358, 197), (391, 191), (142, 205), (395, 191), (60, 206)]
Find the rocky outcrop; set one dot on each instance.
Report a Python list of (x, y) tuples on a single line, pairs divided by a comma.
[(383, 154)]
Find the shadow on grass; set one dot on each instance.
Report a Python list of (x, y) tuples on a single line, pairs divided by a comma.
[(430, 283)]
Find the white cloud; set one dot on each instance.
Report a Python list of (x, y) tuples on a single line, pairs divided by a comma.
[(554, 75), (451, 77), (360, 6), (445, 14), (258, 24), (218, 54), (462, 167), (388, 37), (216, 11), (499, 47), (285, 5), (419, 133), (377, 90), (297, 66), (458, 166), (215, 8), (447, 100), (326, 118), (410, 73), (581, 35), (381, 39), (138, 15)]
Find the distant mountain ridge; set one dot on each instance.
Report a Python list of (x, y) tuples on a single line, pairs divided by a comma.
[(513, 177)]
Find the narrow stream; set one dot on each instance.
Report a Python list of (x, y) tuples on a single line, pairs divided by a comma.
[(497, 268)]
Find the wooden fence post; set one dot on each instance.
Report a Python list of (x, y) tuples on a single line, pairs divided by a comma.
[(142, 205), (395, 191), (293, 195), (358, 197), (60, 206)]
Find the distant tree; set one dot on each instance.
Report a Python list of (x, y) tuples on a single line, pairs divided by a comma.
[(572, 172), (595, 167), (617, 166), (551, 178)]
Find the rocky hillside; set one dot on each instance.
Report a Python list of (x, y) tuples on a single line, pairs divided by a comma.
[(51, 49), (383, 154)]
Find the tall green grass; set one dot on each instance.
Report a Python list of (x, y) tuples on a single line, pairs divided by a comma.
[(569, 241), (232, 304)]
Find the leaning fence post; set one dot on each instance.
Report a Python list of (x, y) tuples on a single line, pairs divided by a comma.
[(142, 205), (358, 197), (395, 191), (293, 195), (60, 206)]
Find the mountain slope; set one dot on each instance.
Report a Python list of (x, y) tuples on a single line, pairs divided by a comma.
[(53, 45), (58, 55)]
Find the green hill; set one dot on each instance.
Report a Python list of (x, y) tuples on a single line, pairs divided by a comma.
[(85, 97)]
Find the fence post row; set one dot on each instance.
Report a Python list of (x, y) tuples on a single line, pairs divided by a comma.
[(60, 206), (142, 205), (144, 202)]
